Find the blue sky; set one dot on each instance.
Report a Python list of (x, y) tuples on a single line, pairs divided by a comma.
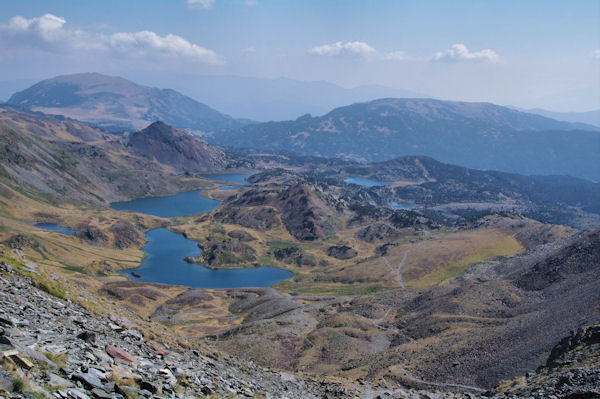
[(525, 53)]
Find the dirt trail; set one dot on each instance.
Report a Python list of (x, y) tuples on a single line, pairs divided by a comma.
[(398, 270)]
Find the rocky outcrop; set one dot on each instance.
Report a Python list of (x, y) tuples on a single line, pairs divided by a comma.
[(176, 148), (93, 235), (572, 371), (125, 235), (580, 257), (305, 215), (341, 252), (111, 357), (225, 251), (259, 218), (241, 235), (377, 232)]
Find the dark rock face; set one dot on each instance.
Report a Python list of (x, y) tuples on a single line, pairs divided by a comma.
[(377, 232), (18, 241), (241, 235), (402, 219), (589, 336), (572, 370), (304, 215), (228, 251), (259, 218), (294, 254), (125, 235), (177, 148), (93, 235), (580, 257), (341, 252)]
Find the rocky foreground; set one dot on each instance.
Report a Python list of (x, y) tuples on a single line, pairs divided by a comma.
[(54, 348)]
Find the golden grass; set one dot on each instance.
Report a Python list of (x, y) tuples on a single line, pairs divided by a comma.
[(450, 255)]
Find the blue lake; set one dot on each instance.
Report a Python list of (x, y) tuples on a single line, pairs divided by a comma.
[(165, 264), (54, 227), (226, 188), (361, 181), (238, 178), (188, 203), (400, 205)]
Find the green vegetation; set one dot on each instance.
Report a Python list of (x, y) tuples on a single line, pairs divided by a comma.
[(18, 385)]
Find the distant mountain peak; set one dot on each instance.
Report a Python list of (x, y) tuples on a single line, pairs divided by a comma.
[(116, 103), (176, 148), (473, 134)]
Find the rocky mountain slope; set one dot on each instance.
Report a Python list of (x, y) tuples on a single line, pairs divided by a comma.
[(176, 148), (70, 160), (118, 104), (52, 347), (477, 135)]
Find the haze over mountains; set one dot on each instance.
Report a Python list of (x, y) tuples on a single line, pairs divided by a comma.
[(589, 117), (118, 104), (264, 99), (475, 135)]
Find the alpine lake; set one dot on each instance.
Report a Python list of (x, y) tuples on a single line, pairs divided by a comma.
[(165, 251)]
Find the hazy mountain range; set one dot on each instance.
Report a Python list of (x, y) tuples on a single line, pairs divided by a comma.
[(589, 117), (118, 104), (263, 99), (476, 135)]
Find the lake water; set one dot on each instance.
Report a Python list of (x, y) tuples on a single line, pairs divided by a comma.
[(238, 178), (361, 181), (164, 264), (226, 188), (400, 205), (188, 203), (54, 227)]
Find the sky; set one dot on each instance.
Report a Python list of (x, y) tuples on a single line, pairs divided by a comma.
[(530, 54)]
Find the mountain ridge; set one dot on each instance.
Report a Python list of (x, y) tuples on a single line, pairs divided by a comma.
[(476, 135), (116, 103)]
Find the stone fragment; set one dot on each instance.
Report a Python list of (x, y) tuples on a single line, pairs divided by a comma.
[(148, 386), (77, 394), (100, 394), (87, 336), (6, 381), (118, 353), (56, 381), (6, 322), (134, 334), (21, 362), (158, 348), (89, 381)]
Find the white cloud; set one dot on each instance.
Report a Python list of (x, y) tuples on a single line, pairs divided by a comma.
[(251, 3), (397, 56), (460, 52), (172, 45), (339, 49), (50, 33), (596, 54), (200, 4)]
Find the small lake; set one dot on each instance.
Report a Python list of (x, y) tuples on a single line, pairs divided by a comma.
[(54, 227), (226, 188), (187, 203), (238, 178), (400, 205), (361, 181), (164, 264)]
